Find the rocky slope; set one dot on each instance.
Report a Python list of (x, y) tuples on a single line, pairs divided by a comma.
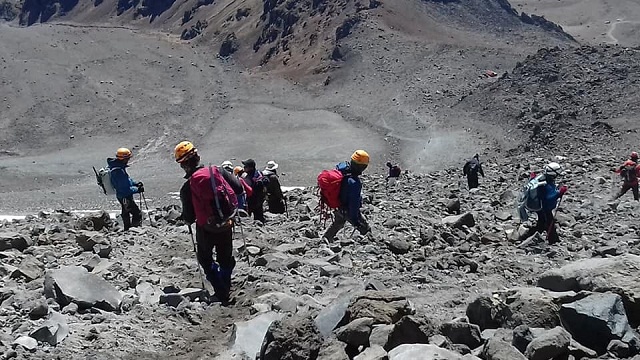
[(411, 281)]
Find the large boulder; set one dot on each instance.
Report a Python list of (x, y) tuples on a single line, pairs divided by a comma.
[(292, 338), (488, 312), (248, 335), (458, 221), (549, 345), (534, 307), (355, 333), (615, 274), (497, 349), (75, 284), (333, 315), (13, 240), (422, 351), (383, 308), (596, 320), (462, 333), (411, 330)]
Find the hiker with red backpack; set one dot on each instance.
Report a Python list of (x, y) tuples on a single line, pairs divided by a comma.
[(257, 182), (629, 172), (471, 169), (341, 189), (209, 199)]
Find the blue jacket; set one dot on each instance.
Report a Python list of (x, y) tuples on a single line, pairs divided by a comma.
[(124, 185), (550, 196), (350, 194)]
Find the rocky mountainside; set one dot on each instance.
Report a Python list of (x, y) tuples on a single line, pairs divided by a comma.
[(445, 271)]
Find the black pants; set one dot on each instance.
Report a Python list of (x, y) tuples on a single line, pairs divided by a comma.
[(130, 210), (339, 219), (625, 188), (472, 180), (219, 272), (547, 223), (276, 206), (255, 206)]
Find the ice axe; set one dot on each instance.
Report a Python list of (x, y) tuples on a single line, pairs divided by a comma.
[(195, 251)]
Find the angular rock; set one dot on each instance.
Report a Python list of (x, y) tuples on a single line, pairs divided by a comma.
[(458, 221), (597, 320), (549, 345), (29, 269), (248, 335), (619, 349), (91, 262), (522, 337), (333, 315), (75, 284), (38, 309), (26, 342), (383, 308), (422, 351), (148, 293), (496, 349), (580, 351), (399, 246), (292, 338), (411, 330), (102, 250), (453, 206), (356, 333), (333, 350), (172, 299), (88, 239), (488, 312), (616, 274), (375, 352), (53, 331), (462, 333), (295, 249), (380, 335), (533, 307), (330, 270), (13, 240)]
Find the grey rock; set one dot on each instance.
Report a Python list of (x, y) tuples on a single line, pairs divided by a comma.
[(422, 351), (70, 309), (13, 240), (88, 239), (391, 223), (52, 331), (375, 352), (458, 221), (29, 269), (411, 330), (399, 246), (496, 349), (462, 333), (291, 338), (148, 293), (330, 270), (38, 309), (596, 320), (619, 349), (26, 342), (91, 262), (533, 307), (380, 335), (504, 216), (616, 274), (453, 206), (522, 336), (193, 294), (75, 284), (173, 299), (356, 333), (333, 350), (286, 304), (295, 249), (102, 250), (254, 250), (490, 239), (333, 314), (383, 308), (248, 335), (549, 345), (580, 351), (488, 312)]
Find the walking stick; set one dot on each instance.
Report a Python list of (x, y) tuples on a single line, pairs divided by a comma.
[(147, 207), (195, 250), (244, 239)]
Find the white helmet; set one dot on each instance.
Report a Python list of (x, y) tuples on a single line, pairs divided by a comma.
[(227, 165), (553, 169)]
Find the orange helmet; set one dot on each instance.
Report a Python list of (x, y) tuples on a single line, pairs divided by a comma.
[(360, 157), (184, 151), (123, 153)]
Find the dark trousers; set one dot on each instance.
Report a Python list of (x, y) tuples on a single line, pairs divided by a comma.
[(219, 272), (548, 224), (130, 210), (255, 205), (339, 220), (625, 188), (276, 206), (472, 180)]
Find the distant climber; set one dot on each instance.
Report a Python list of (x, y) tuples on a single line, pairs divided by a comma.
[(209, 199), (394, 174), (629, 172), (471, 170), (257, 182), (547, 194), (125, 187), (350, 197), (275, 198)]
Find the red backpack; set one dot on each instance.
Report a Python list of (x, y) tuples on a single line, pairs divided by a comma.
[(329, 183), (214, 201)]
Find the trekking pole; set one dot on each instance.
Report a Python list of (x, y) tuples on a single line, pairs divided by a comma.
[(553, 220), (147, 207), (244, 239), (195, 250)]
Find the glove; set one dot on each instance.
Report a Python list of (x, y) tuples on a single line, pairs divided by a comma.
[(139, 184), (140, 189), (563, 189)]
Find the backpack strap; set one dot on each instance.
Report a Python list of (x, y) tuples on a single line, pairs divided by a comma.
[(215, 193)]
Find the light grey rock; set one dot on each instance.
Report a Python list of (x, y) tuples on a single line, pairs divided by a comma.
[(458, 221), (148, 293), (549, 345), (29, 269), (356, 333), (332, 315), (399, 246), (375, 352), (496, 349), (52, 331), (380, 335), (248, 335), (330, 270), (422, 351), (26, 342), (76, 284)]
